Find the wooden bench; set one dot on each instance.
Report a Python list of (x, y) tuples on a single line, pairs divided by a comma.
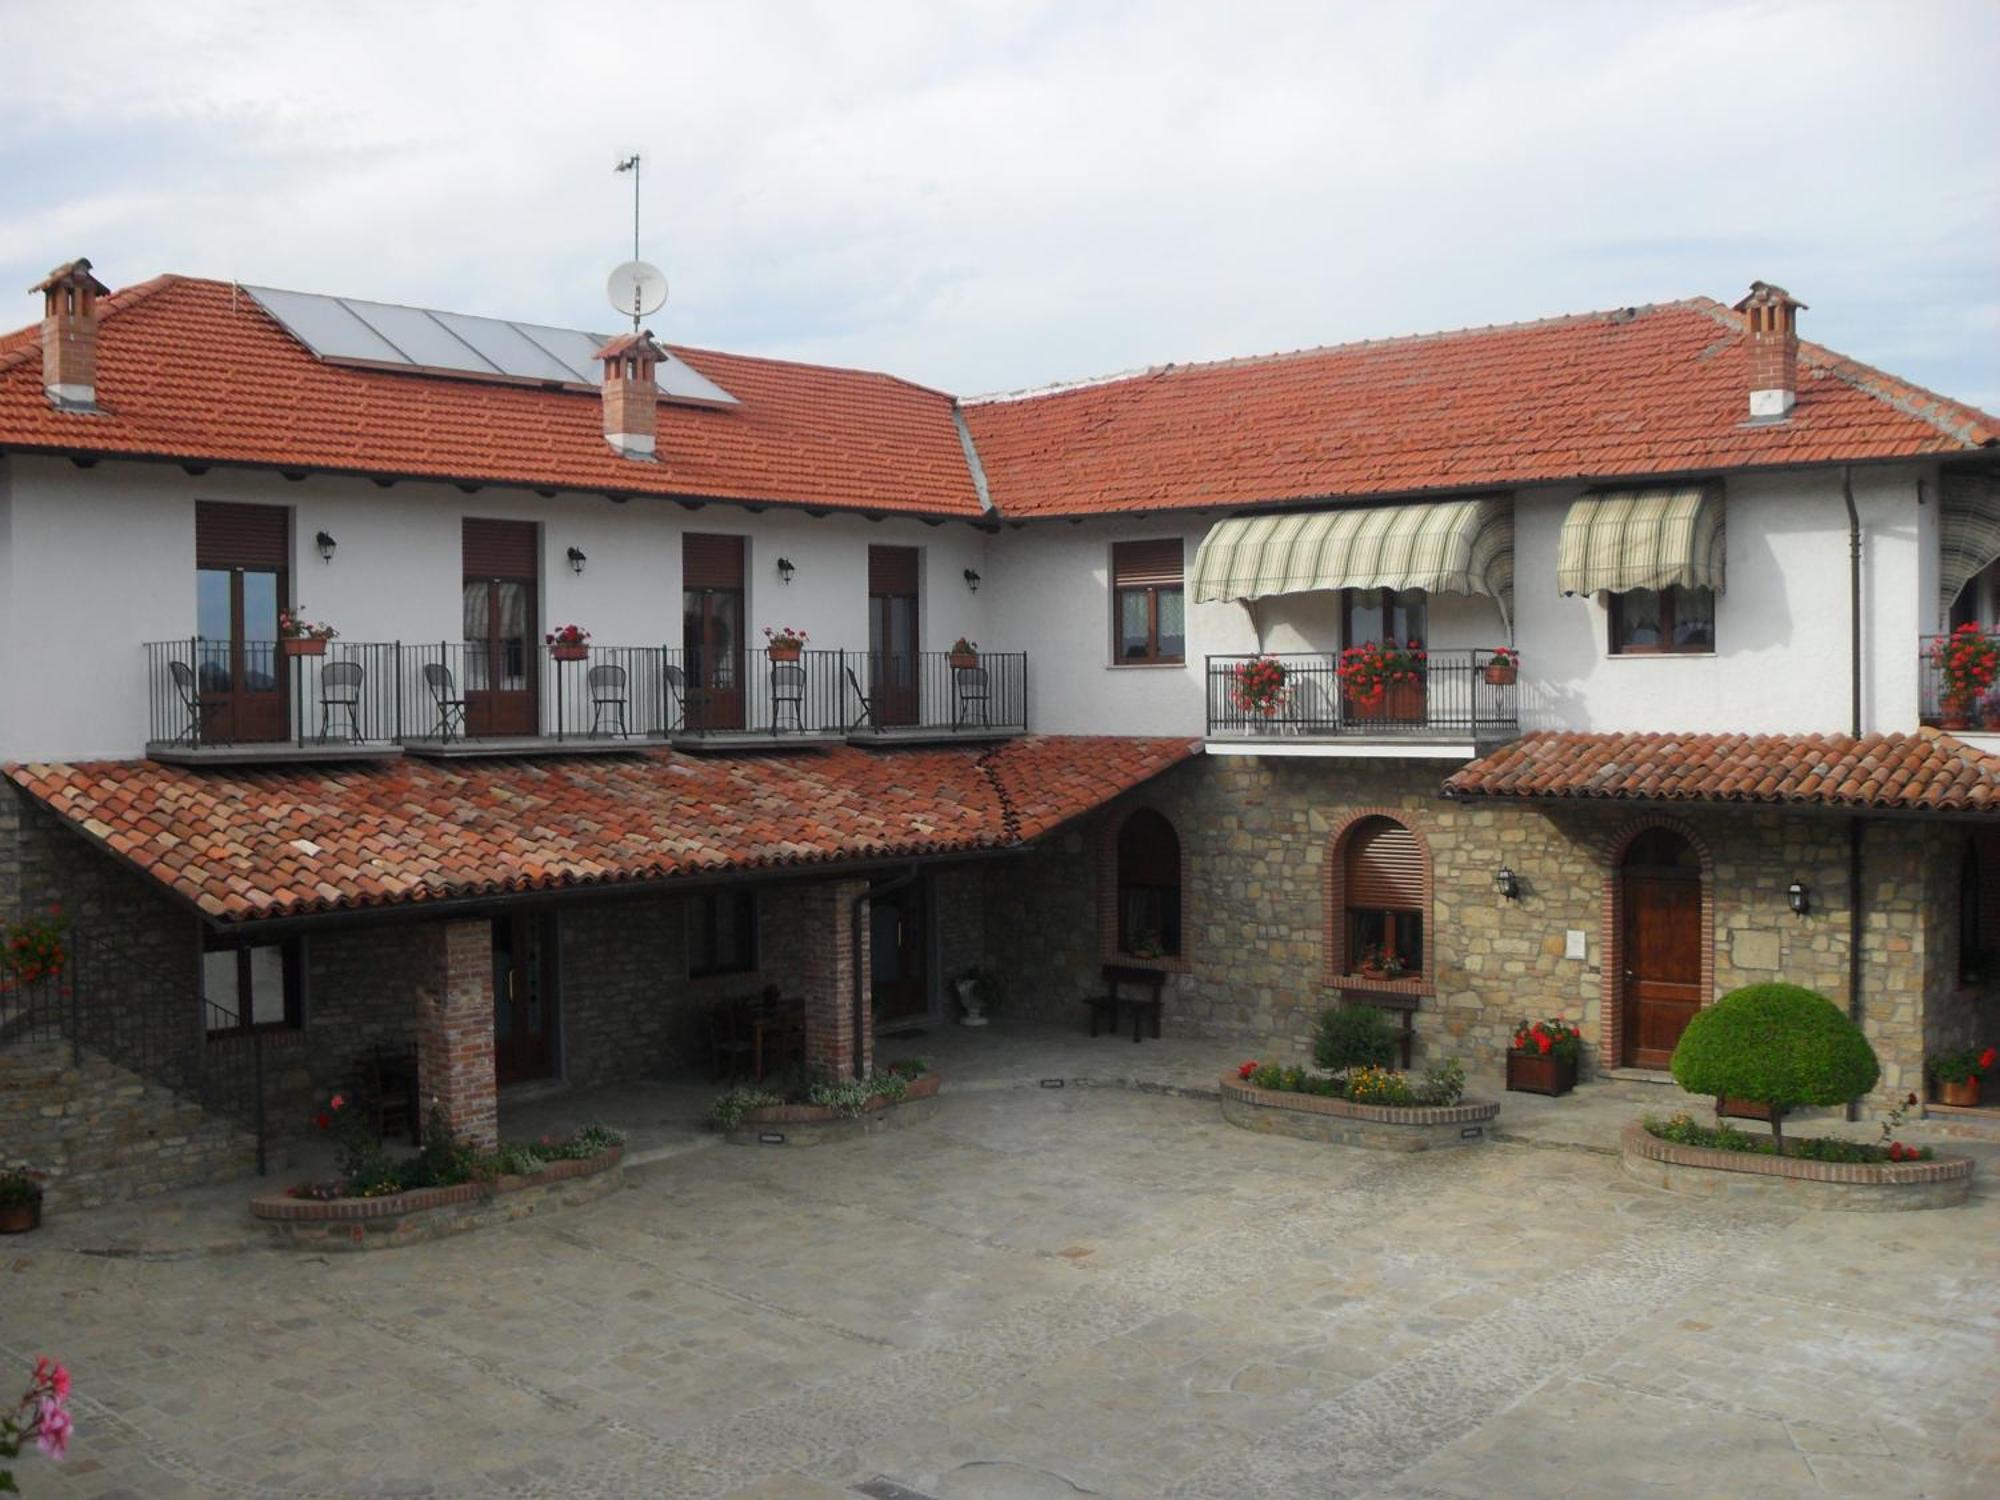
[(1398, 1004), (1116, 979)]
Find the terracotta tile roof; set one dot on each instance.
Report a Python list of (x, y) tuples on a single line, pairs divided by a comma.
[(246, 844), (190, 369), (1922, 772), (1654, 390)]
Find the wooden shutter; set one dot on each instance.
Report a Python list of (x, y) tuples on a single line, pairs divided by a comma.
[(1385, 867), (892, 570), (1146, 564), (241, 536), (1149, 851), (500, 549), (711, 562)]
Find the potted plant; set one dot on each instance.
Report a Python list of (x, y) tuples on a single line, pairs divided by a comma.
[(20, 1201), (964, 653), (784, 643), (1958, 1073), (33, 948), (568, 643), (1543, 1056), (1989, 713), (1382, 680), (1967, 661), (298, 636), (1257, 686), (1504, 666), (1379, 963)]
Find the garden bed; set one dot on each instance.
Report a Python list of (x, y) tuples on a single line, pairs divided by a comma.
[(1380, 1127), (428, 1213), (1855, 1186), (816, 1124)]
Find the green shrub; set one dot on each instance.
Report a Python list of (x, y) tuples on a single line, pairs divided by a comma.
[(1443, 1084), (729, 1110), (1355, 1036), (1775, 1044), (1683, 1130)]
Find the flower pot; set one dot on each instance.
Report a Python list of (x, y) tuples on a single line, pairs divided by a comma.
[(573, 651), (784, 653), (302, 645), (1961, 1095), (1742, 1109), (1539, 1073), (19, 1218), (962, 660), (1955, 713), (1501, 673), (1399, 703)]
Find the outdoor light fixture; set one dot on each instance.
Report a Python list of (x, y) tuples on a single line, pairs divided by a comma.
[(1795, 893), (576, 559), (1507, 883), (326, 544), (972, 580), (785, 570)]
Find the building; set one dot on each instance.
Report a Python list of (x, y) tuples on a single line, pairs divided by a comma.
[(1580, 666)]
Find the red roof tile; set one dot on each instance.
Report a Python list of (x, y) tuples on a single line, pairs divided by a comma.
[(1656, 390), (1922, 772), (247, 844)]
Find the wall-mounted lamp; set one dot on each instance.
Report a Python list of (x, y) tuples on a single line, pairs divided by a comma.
[(785, 570), (1507, 883), (576, 559), (1797, 896), (325, 542), (972, 580)]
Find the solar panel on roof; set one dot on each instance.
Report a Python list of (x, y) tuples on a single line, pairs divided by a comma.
[(415, 338)]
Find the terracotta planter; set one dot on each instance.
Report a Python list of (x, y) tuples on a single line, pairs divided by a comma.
[(575, 652), (19, 1218), (1400, 703), (301, 645), (1961, 1095), (962, 660), (1532, 1073), (784, 653), (1501, 673), (1742, 1109), (1955, 713)]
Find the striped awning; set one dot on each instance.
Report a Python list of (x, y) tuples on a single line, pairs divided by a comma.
[(1968, 532), (1450, 547), (1663, 536)]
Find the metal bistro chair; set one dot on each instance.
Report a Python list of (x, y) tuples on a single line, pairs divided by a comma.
[(607, 688), (340, 692), (788, 690), (974, 687), (867, 714), (192, 705), (445, 698), (676, 682)]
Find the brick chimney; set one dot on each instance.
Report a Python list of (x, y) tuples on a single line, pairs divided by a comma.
[(69, 334), (1772, 315), (631, 396)]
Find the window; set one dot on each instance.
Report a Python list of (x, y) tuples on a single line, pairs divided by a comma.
[(1383, 615), (1149, 887), (1149, 608), (259, 986), (1662, 621), (1383, 901), (722, 933)]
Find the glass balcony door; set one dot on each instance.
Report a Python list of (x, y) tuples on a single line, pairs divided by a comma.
[(238, 671)]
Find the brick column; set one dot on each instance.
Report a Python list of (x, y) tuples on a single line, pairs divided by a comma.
[(455, 1030), (832, 969)]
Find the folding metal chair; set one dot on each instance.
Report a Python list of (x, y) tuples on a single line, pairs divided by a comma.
[(340, 692), (607, 688), (974, 687), (676, 681), (192, 705), (867, 714), (445, 698), (788, 690)]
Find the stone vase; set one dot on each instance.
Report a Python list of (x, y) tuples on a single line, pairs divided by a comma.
[(968, 996)]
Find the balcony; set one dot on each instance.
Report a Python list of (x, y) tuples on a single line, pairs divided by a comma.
[(1460, 701), (1972, 713), (932, 697), (221, 702)]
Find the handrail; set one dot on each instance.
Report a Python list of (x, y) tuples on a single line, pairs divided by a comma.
[(1453, 692)]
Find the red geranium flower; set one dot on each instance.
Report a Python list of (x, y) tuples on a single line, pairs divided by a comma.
[(1247, 1069), (1986, 1059)]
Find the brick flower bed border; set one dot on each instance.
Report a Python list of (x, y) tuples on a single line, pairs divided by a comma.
[(816, 1124), (1380, 1127), (431, 1213), (1859, 1187)]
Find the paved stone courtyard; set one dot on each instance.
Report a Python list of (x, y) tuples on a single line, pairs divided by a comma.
[(1050, 1293)]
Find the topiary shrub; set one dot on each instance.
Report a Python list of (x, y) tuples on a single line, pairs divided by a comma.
[(1776, 1044), (1356, 1036)]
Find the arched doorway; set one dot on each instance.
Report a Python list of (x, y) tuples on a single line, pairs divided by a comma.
[(1660, 877)]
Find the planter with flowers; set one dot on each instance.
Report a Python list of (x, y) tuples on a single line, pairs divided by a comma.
[(784, 643), (1967, 662), (1958, 1073), (1543, 1056), (298, 636), (964, 654), (41, 1416), (33, 948), (568, 643), (1382, 680), (1257, 687), (20, 1201), (1503, 667), (1381, 963)]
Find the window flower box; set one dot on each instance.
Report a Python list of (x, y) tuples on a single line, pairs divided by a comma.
[(298, 636), (302, 645), (785, 644), (568, 643), (964, 654)]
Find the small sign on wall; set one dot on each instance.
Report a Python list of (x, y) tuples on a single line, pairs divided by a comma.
[(1573, 943)]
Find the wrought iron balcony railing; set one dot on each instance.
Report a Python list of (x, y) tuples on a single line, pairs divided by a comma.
[(1450, 694)]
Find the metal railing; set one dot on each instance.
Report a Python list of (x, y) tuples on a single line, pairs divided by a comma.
[(1964, 710), (755, 693), (934, 691), (205, 693), (1457, 693)]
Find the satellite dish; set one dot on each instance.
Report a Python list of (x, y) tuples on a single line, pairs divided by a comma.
[(637, 290)]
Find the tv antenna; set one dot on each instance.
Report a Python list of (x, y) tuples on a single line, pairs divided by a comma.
[(636, 288)]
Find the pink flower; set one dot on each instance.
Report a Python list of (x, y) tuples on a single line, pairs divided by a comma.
[(338, 1101), (52, 1427)]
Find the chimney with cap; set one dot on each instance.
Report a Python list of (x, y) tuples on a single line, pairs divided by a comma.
[(631, 395), (69, 335), (1772, 317)]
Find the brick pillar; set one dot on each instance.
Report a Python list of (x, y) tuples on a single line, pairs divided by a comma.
[(832, 969), (455, 1030)]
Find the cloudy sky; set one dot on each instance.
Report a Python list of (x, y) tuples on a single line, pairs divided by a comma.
[(987, 196)]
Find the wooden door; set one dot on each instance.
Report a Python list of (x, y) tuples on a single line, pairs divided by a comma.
[(241, 585), (1662, 963), (500, 662), (524, 998), (895, 679), (899, 971), (712, 616)]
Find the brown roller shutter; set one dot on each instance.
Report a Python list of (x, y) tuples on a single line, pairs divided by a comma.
[(1385, 867), (1146, 564), (240, 536), (500, 549), (711, 562), (892, 570)]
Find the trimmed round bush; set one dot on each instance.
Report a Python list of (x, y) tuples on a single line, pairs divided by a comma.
[(1776, 1044), (1355, 1036)]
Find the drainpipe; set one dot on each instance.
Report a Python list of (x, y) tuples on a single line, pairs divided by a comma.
[(1854, 825), (908, 877)]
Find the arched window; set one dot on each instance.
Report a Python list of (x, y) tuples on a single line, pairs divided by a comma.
[(1383, 896), (1149, 887)]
